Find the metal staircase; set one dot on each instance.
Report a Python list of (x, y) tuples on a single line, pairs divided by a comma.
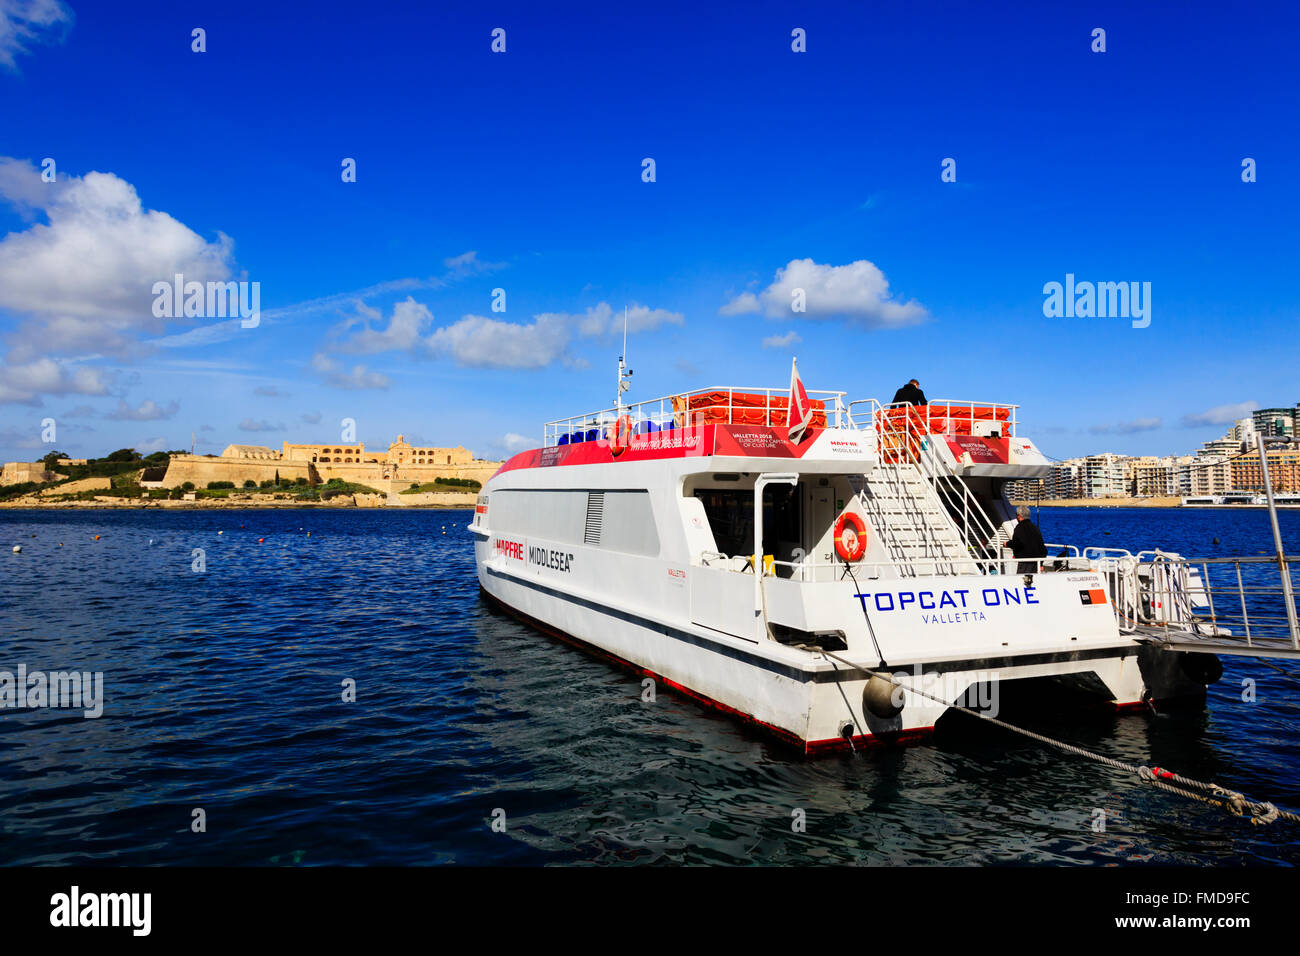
[(936, 518), (912, 522)]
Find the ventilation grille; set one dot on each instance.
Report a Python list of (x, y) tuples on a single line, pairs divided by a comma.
[(595, 515)]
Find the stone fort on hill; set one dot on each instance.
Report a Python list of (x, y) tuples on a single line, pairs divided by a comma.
[(401, 465)]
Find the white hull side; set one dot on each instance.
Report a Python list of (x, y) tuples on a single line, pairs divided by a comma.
[(804, 699)]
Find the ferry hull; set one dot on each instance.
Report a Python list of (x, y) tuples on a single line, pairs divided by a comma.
[(641, 539), (809, 702)]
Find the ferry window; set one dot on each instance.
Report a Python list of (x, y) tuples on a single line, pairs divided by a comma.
[(731, 517)]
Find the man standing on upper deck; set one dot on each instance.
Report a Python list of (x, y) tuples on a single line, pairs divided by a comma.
[(1027, 542), (910, 393)]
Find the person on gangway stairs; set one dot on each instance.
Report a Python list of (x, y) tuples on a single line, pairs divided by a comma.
[(1026, 542)]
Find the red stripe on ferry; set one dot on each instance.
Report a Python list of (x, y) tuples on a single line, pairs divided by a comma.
[(744, 441)]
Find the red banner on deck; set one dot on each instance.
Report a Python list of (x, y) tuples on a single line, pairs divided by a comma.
[(982, 451)]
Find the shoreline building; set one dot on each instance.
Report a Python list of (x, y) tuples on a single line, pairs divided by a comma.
[(1150, 476), (1273, 422), (1103, 476), (1283, 471)]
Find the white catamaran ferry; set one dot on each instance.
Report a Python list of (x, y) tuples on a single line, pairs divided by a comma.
[(837, 581)]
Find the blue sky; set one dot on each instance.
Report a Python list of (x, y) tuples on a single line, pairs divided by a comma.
[(523, 171)]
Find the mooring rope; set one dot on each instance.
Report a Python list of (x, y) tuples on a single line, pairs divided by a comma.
[(1231, 801)]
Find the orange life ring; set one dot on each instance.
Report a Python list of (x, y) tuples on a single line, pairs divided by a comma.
[(854, 551), (622, 437)]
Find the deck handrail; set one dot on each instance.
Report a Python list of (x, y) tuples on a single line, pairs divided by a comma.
[(952, 409), (664, 411)]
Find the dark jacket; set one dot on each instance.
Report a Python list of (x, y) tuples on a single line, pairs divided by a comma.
[(911, 394), (1027, 542)]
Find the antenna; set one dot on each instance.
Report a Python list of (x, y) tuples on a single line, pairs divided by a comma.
[(623, 383)]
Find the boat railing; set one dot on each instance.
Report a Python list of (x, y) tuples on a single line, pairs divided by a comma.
[(806, 570), (1239, 603), (1238, 600), (702, 406), (944, 416), (1071, 551)]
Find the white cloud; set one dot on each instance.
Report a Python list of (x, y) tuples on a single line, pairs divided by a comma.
[(251, 425), (269, 391), (18, 438), (311, 418), (602, 320), (1220, 414), (84, 281), (742, 304), (405, 327), (356, 379), (152, 444), (480, 342), (25, 23), (149, 411), (514, 442), (469, 262), (782, 341), (21, 185), (26, 382), (1127, 428), (858, 292)]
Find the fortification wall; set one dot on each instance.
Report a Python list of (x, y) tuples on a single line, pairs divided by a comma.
[(201, 470), (18, 472), (85, 484)]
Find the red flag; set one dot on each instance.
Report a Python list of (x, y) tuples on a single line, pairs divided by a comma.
[(798, 413)]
